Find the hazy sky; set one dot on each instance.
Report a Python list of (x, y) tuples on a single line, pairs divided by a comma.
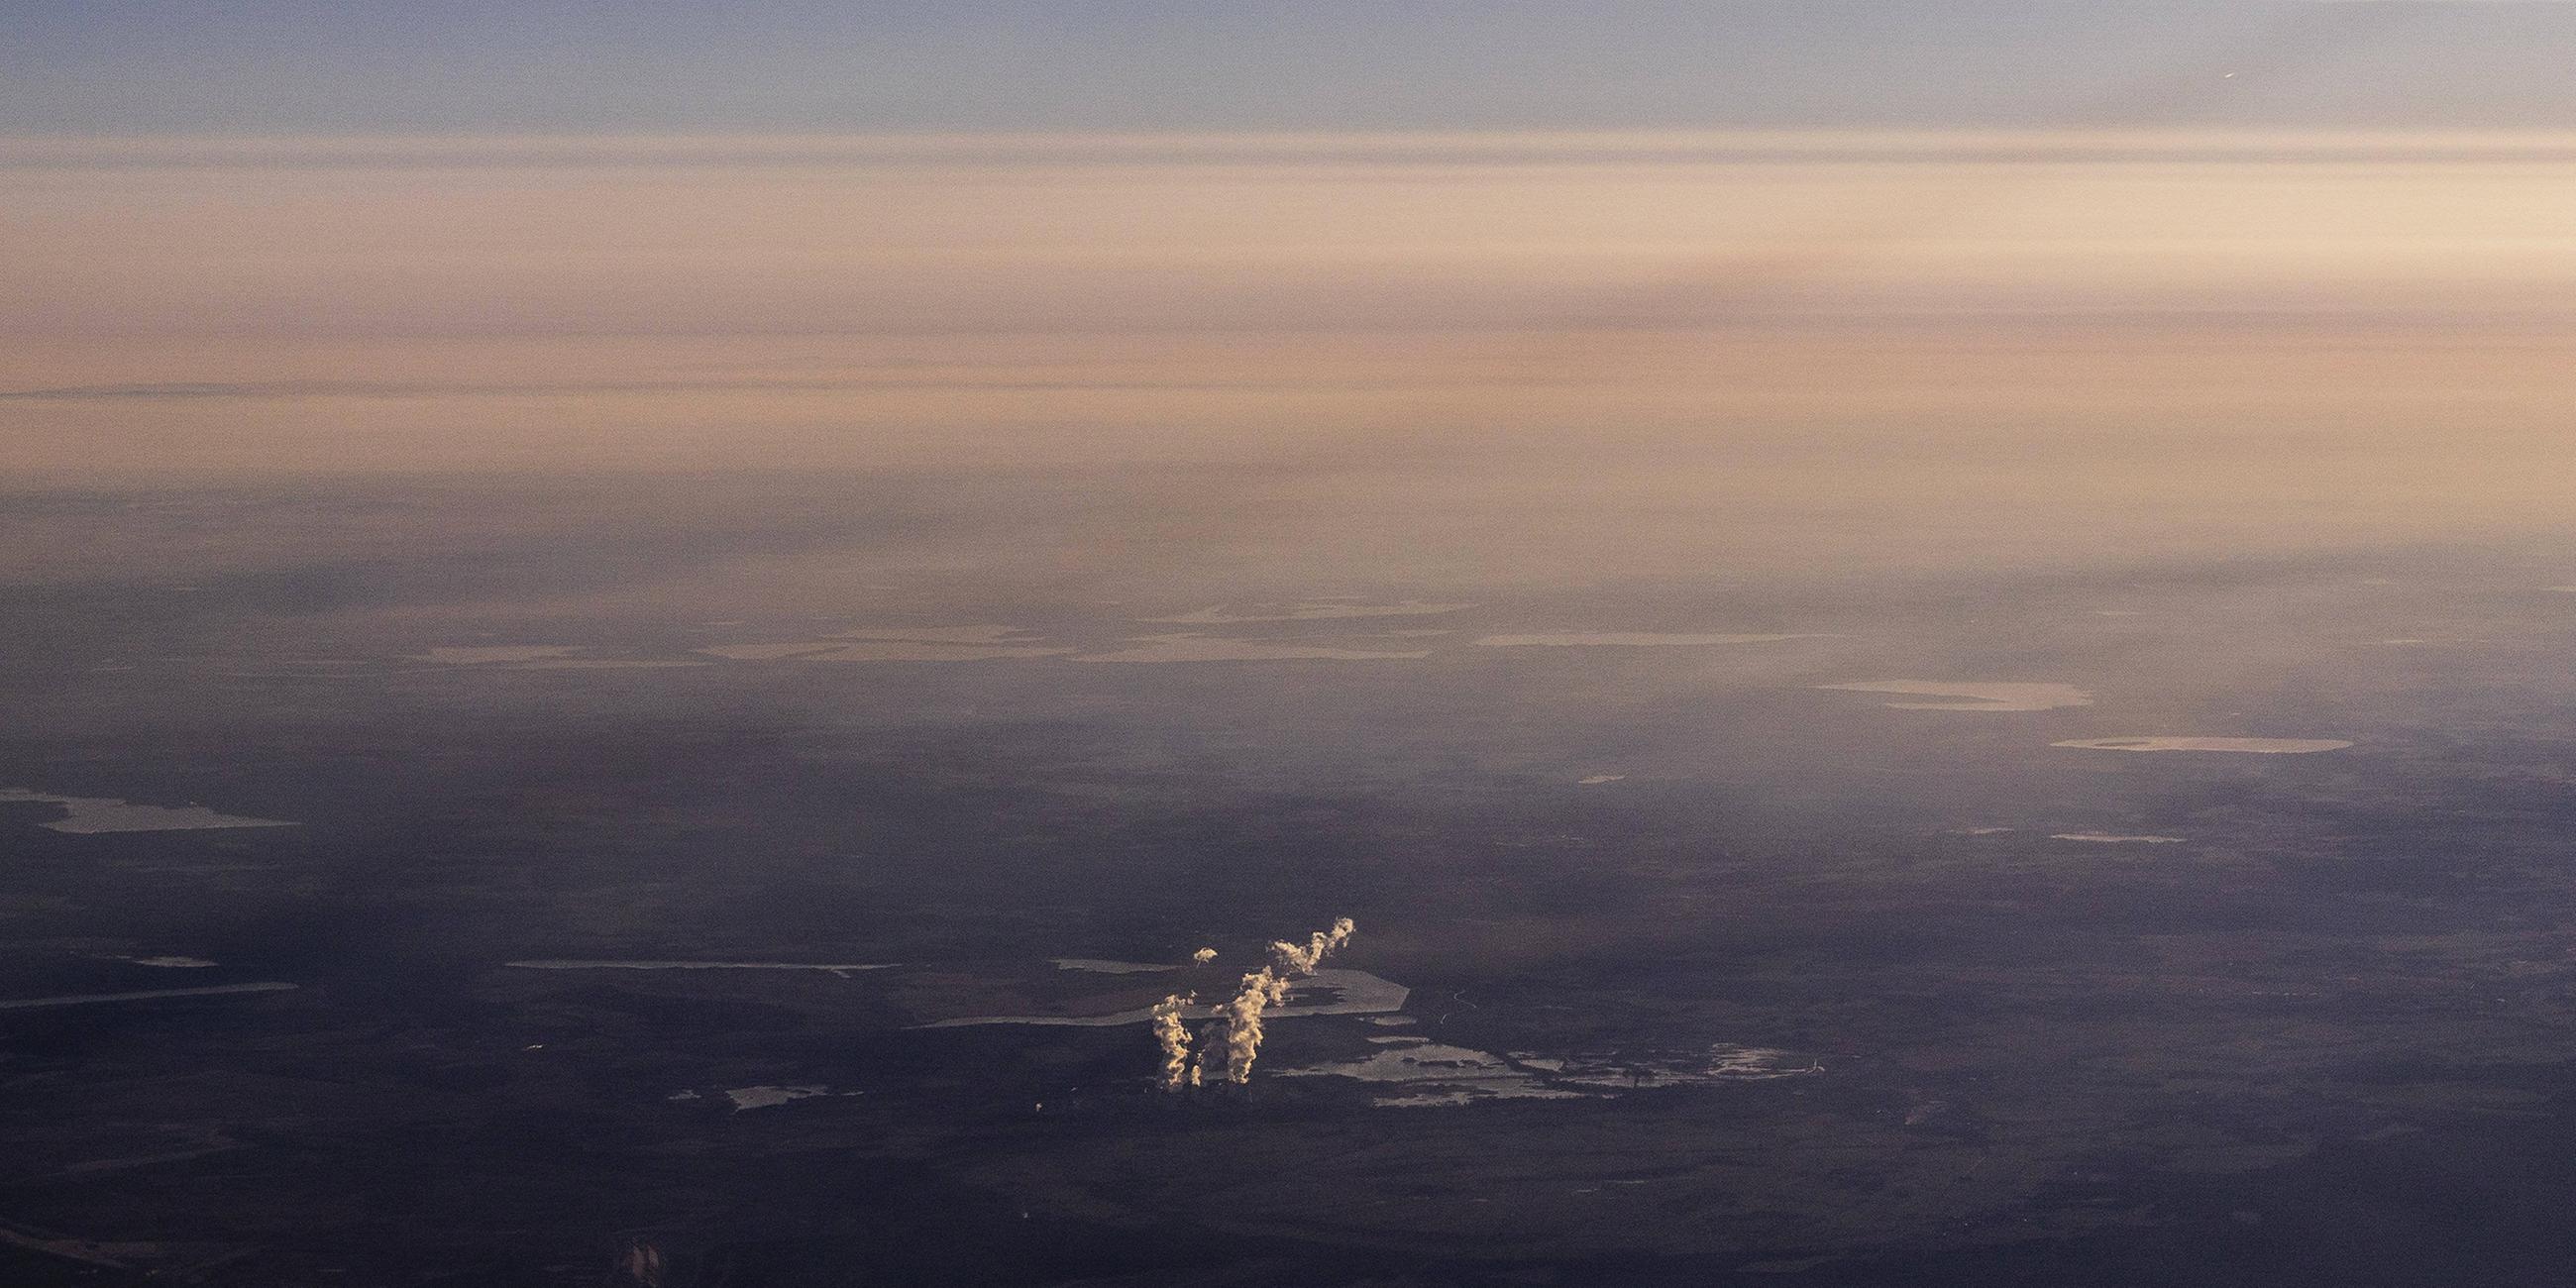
[(872, 301), (2126, 272), (334, 66)]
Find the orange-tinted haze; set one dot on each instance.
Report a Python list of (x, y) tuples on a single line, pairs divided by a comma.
[(2367, 330)]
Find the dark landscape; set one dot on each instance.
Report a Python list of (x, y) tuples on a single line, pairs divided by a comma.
[(1337, 644), (2315, 1025)]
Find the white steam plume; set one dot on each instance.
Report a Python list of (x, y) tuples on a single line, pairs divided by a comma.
[(1210, 1038), (1301, 959), (1227, 1047), (1238, 1028), (1178, 1070)]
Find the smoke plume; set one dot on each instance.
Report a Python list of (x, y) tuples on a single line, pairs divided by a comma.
[(1228, 1045), (1178, 1071), (642, 1265), (1241, 1020), (1301, 959)]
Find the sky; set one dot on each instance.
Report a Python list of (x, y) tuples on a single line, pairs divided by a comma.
[(122, 67), (2123, 272)]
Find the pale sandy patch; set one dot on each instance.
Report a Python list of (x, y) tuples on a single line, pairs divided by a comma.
[(765, 1097), (144, 995), (1096, 966), (485, 654), (847, 650), (95, 814), (1313, 610), (1974, 695), (1631, 639), (836, 968), (1210, 648), (975, 634), (2252, 746)]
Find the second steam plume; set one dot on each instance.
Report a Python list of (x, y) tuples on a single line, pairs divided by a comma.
[(1229, 1044)]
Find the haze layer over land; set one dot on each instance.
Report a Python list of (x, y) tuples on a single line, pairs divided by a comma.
[(671, 645), (1785, 348)]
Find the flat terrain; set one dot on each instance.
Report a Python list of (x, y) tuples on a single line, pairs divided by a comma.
[(1705, 972)]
